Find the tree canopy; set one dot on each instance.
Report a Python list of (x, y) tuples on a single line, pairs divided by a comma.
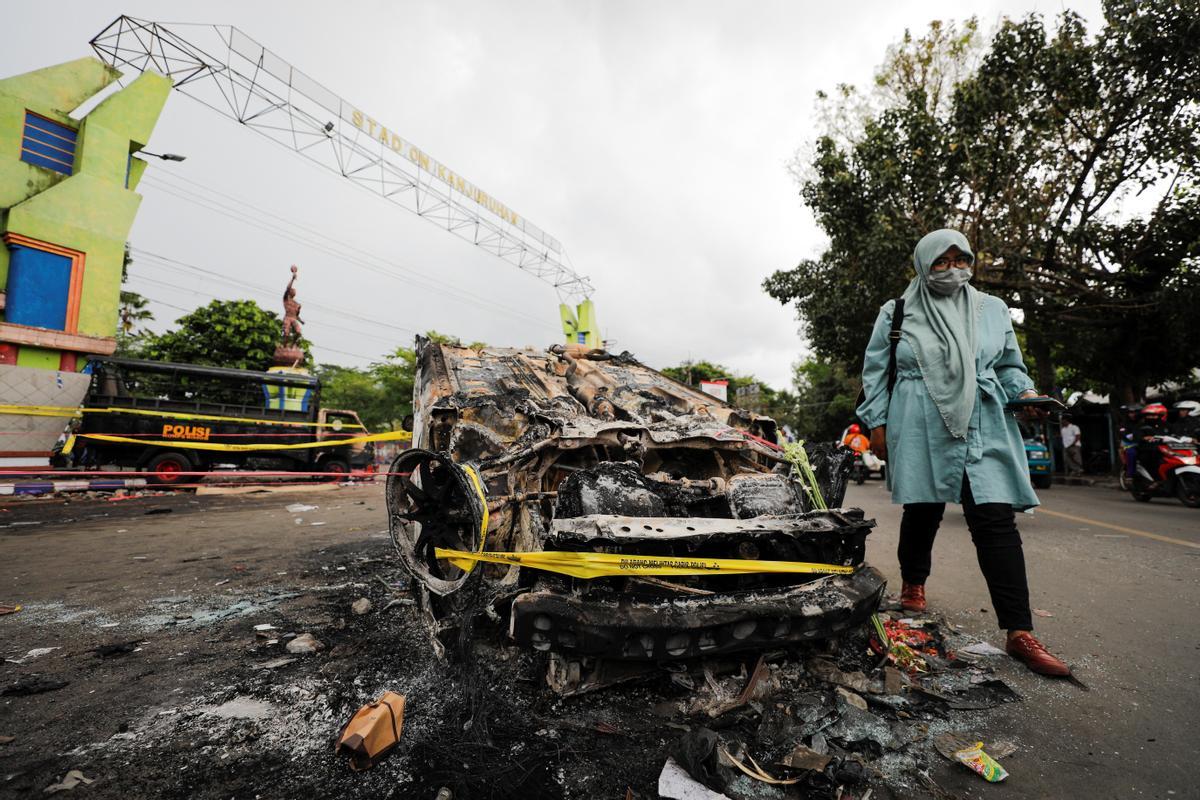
[(382, 393), (1072, 163), (755, 396), (225, 333)]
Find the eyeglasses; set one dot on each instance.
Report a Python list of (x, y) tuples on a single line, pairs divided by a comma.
[(946, 262)]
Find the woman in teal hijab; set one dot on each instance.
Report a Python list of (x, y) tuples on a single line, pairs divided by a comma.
[(946, 434)]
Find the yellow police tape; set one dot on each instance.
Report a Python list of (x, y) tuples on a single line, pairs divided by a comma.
[(483, 523), (391, 436), (599, 565), (68, 411)]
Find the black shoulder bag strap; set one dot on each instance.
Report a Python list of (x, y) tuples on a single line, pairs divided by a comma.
[(894, 342)]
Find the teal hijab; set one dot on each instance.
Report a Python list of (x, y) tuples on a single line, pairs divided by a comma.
[(941, 330)]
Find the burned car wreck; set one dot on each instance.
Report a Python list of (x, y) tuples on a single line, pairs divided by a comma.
[(521, 451)]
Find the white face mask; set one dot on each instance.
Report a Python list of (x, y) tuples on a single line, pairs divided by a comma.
[(948, 281)]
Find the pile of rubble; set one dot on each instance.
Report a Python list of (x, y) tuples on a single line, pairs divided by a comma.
[(850, 718), (853, 718)]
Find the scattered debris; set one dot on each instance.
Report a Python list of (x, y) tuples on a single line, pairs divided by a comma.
[(276, 663), (31, 685), (755, 771), (806, 758), (697, 753), (982, 649), (116, 649), (373, 731), (282, 488), (304, 643), (893, 680), (160, 511), (9, 610), (300, 508), (361, 606), (827, 671), (69, 782), (852, 698), (242, 707), (36, 652), (676, 784), (1041, 612), (7, 739)]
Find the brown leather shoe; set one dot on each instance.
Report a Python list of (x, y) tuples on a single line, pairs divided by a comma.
[(1034, 655), (912, 597)]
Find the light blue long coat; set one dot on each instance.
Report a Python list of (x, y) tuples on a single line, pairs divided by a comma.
[(925, 463)]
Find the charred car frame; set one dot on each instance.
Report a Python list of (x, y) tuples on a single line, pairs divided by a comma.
[(586, 451)]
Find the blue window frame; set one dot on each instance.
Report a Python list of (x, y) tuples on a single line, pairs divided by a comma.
[(39, 285), (48, 144)]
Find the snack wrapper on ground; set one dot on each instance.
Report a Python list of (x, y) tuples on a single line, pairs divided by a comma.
[(974, 759)]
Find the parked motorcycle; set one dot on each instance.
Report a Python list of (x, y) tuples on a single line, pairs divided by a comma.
[(1166, 466)]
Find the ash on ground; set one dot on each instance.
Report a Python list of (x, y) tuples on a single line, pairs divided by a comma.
[(198, 703)]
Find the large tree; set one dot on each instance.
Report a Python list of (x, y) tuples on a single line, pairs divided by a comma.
[(225, 333), (382, 393), (825, 400), (1039, 156)]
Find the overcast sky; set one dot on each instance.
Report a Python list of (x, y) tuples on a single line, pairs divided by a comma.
[(650, 138)]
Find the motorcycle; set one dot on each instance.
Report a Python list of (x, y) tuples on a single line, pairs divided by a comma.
[(864, 464), (1166, 466)]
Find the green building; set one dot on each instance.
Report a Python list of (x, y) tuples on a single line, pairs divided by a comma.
[(67, 202)]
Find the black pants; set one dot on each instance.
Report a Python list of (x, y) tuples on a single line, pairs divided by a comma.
[(993, 528)]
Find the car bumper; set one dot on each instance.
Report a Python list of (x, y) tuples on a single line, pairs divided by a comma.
[(659, 629)]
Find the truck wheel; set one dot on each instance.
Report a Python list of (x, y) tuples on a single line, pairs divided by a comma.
[(1043, 481), (335, 467), (167, 469)]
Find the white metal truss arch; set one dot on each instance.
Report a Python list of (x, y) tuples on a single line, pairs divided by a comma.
[(234, 75)]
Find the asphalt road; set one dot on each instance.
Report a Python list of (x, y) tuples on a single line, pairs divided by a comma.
[(1122, 581)]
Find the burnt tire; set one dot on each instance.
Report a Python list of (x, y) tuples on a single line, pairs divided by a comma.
[(432, 502), (169, 469)]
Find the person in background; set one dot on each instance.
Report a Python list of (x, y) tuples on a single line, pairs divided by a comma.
[(1187, 419), (1072, 443), (947, 435), (1152, 421), (855, 440)]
